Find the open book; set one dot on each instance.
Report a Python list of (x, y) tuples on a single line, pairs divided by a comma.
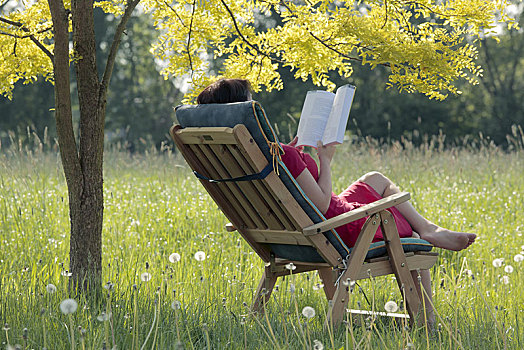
[(324, 116)]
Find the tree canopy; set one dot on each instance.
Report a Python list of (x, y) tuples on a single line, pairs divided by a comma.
[(427, 45)]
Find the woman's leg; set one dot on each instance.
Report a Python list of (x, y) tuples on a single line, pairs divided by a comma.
[(436, 235)]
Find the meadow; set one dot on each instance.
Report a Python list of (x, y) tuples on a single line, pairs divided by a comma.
[(177, 280)]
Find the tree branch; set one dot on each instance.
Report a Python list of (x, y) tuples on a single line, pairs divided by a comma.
[(30, 36), (244, 38), (131, 4), (189, 37), (63, 111)]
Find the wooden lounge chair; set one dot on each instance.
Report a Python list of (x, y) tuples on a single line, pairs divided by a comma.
[(270, 216)]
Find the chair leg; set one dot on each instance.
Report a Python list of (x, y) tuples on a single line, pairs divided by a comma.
[(400, 268), (354, 264), (326, 274), (265, 287)]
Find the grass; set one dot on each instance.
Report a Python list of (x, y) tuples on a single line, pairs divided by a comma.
[(155, 207)]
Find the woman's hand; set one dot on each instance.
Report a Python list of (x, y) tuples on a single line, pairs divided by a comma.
[(325, 153), (294, 142)]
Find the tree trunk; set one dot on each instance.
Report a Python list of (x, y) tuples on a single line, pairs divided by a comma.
[(82, 165), (87, 210)]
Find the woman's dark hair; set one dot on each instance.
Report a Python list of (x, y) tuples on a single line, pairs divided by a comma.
[(226, 91)]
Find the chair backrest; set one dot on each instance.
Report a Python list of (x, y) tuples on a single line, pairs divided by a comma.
[(222, 141)]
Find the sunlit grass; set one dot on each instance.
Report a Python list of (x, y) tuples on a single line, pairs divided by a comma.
[(154, 207)]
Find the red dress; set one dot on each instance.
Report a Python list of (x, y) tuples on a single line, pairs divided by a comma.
[(356, 195)]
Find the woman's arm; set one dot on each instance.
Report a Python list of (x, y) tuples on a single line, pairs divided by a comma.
[(319, 191)]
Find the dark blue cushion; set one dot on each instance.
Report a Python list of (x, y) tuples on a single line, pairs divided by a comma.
[(252, 115), (377, 249)]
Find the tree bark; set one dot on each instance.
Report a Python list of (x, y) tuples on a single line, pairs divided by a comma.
[(87, 210), (83, 164)]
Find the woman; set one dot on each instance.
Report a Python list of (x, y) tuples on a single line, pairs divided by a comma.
[(317, 185)]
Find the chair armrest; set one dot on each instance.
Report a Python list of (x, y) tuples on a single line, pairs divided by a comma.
[(359, 213)]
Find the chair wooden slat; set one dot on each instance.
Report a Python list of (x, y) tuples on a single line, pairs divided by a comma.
[(264, 190), (227, 193), (381, 268), (253, 191), (210, 136), (236, 188), (279, 237)]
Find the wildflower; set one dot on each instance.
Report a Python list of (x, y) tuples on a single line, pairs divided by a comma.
[(103, 317), (108, 286), (145, 277), (68, 306), (317, 345), (508, 269), (66, 273), (505, 279), (391, 306), (175, 305), (175, 257), (50, 288), (290, 266), (318, 286), (200, 256), (308, 312), (497, 262), (349, 282), (518, 258)]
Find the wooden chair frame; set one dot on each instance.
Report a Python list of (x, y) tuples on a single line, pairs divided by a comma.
[(264, 212)]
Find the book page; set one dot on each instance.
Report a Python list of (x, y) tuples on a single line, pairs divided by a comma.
[(338, 118), (313, 119)]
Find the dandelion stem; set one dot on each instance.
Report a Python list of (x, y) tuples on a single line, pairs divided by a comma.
[(72, 332), (150, 330)]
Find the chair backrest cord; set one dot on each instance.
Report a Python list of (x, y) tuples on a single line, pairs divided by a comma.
[(258, 176)]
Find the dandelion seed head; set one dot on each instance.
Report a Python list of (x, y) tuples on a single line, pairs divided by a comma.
[(317, 345), (50, 288), (518, 258), (508, 269), (498, 262), (68, 306), (175, 305), (290, 266), (308, 312), (391, 306), (103, 317), (175, 257), (505, 279), (145, 277), (200, 256), (292, 288)]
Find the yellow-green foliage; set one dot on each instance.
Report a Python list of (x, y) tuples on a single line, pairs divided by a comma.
[(428, 45)]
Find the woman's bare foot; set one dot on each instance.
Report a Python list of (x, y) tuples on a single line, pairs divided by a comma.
[(447, 239)]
